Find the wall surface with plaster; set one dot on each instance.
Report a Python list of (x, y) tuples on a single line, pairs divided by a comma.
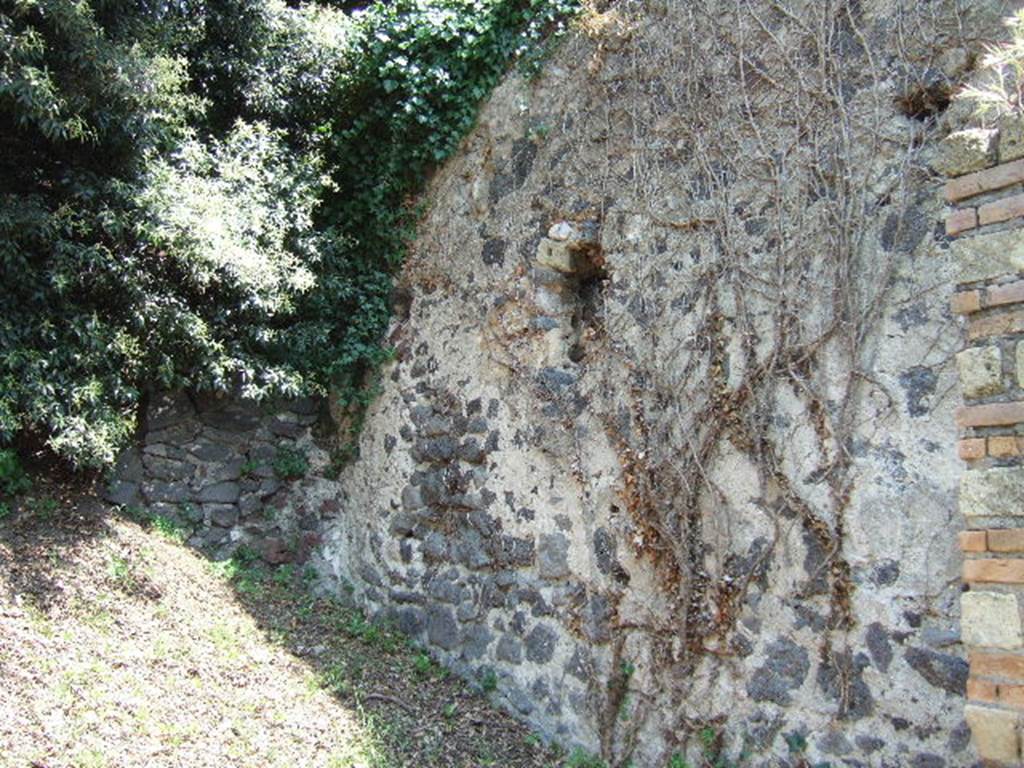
[(668, 443)]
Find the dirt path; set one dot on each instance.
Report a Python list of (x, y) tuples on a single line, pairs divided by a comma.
[(121, 647)]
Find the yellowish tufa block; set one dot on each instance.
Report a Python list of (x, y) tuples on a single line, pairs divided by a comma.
[(995, 733), (981, 371), (990, 620)]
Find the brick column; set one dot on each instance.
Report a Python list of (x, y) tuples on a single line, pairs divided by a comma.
[(987, 221)]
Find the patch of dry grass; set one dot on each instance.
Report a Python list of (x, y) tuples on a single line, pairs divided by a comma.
[(121, 647)]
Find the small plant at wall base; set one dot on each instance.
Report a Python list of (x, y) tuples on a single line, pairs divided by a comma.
[(249, 468), (13, 479), (290, 463), (581, 759), (489, 681), (171, 530)]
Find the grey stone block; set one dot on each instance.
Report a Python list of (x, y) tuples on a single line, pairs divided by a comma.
[(540, 644), (123, 493), (509, 650), (220, 493), (442, 629), (553, 556), (173, 493), (785, 668), (223, 515)]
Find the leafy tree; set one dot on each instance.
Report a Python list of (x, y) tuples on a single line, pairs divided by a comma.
[(213, 193)]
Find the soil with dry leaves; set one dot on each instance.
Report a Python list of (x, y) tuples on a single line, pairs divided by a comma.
[(119, 646)]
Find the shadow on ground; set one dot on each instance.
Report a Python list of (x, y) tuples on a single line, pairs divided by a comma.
[(119, 646)]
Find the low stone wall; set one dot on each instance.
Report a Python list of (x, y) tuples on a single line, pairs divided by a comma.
[(224, 468), (986, 217)]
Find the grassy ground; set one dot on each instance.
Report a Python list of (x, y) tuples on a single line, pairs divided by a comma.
[(119, 646)]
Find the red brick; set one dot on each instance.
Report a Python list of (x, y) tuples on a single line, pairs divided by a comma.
[(985, 181), (982, 690), (972, 541), (1003, 446), (1009, 293), (961, 220), (995, 693), (1006, 540), (965, 302), (996, 324), (1005, 665), (1001, 210), (971, 449), (1011, 695), (994, 571), (992, 415)]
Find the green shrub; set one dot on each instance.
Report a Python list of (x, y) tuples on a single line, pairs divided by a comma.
[(216, 195), (13, 479)]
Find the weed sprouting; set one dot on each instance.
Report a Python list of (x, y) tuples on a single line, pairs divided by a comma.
[(582, 759), (170, 529), (290, 463), (335, 678), (122, 572), (489, 681)]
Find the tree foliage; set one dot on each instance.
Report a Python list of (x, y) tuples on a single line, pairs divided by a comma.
[(214, 193)]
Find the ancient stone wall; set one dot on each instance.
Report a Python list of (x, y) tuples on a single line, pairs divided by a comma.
[(666, 455)]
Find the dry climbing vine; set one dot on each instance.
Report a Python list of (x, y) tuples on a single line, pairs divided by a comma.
[(801, 169)]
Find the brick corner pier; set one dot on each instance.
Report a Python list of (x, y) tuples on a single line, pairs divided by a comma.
[(986, 222)]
